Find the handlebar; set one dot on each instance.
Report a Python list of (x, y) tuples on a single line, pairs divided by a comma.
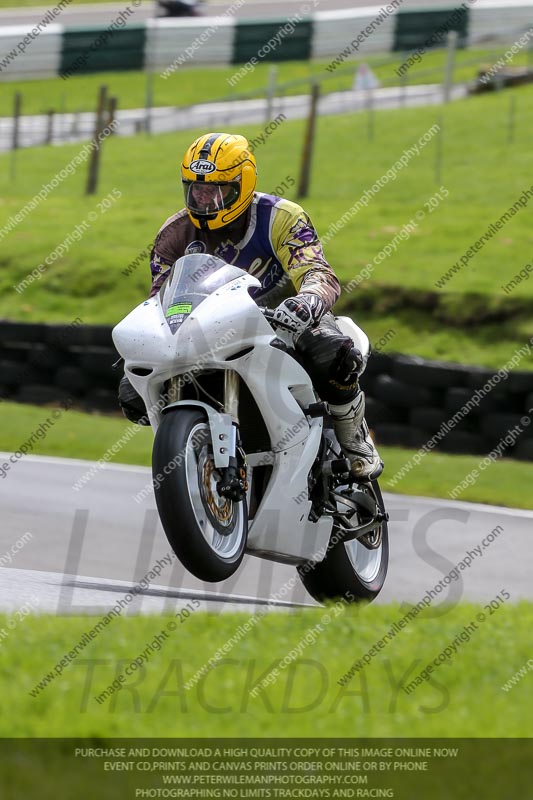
[(268, 313)]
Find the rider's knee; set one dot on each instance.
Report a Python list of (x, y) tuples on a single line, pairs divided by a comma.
[(333, 363)]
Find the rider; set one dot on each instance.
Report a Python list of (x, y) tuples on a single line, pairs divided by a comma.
[(274, 240)]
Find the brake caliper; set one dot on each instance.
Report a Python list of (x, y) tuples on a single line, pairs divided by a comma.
[(233, 483)]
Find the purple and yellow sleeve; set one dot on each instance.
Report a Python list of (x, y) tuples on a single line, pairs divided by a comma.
[(160, 270), (300, 253)]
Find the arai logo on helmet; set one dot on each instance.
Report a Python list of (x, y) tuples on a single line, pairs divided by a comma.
[(202, 166)]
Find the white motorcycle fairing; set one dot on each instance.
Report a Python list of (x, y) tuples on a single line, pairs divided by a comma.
[(227, 331)]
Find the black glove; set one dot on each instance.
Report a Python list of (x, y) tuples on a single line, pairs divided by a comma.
[(350, 363)]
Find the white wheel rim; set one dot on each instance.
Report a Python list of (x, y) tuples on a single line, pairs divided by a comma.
[(207, 503), (366, 563)]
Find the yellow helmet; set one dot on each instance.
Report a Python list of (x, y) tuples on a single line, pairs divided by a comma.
[(219, 175)]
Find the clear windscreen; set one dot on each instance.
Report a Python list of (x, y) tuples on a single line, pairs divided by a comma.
[(193, 278)]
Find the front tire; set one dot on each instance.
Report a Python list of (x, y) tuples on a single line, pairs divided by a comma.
[(350, 571), (207, 532)]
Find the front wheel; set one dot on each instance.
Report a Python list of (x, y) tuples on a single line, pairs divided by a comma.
[(353, 571), (206, 531)]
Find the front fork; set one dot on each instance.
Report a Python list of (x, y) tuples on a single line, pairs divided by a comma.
[(175, 391), (233, 483)]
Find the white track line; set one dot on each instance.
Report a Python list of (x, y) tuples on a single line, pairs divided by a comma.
[(43, 591)]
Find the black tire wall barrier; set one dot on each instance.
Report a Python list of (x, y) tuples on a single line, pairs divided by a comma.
[(408, 398), (42, 364), (411, 400)]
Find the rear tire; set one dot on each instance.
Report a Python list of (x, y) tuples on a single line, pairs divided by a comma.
[(207, 532), (350, 571)]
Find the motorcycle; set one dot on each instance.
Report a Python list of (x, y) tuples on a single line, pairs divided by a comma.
[(179, 8), (245, 458)]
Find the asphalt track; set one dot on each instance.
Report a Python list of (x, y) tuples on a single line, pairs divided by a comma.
[(88, 547), (104, 14)]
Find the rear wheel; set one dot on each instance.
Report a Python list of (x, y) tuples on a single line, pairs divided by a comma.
[(353, 571), (206, 531)]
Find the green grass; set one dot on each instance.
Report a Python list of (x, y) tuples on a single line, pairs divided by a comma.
[(75, 434), (190, 85), (463, 698), (89, 436), (439, 473), (87, 281), (424, 334)]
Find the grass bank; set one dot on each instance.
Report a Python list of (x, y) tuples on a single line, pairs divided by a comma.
[(462, 697), (190, 85), (390, 275)]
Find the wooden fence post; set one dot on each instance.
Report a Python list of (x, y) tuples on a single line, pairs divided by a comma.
[(17, 108), (307, 153), (94, 161)]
